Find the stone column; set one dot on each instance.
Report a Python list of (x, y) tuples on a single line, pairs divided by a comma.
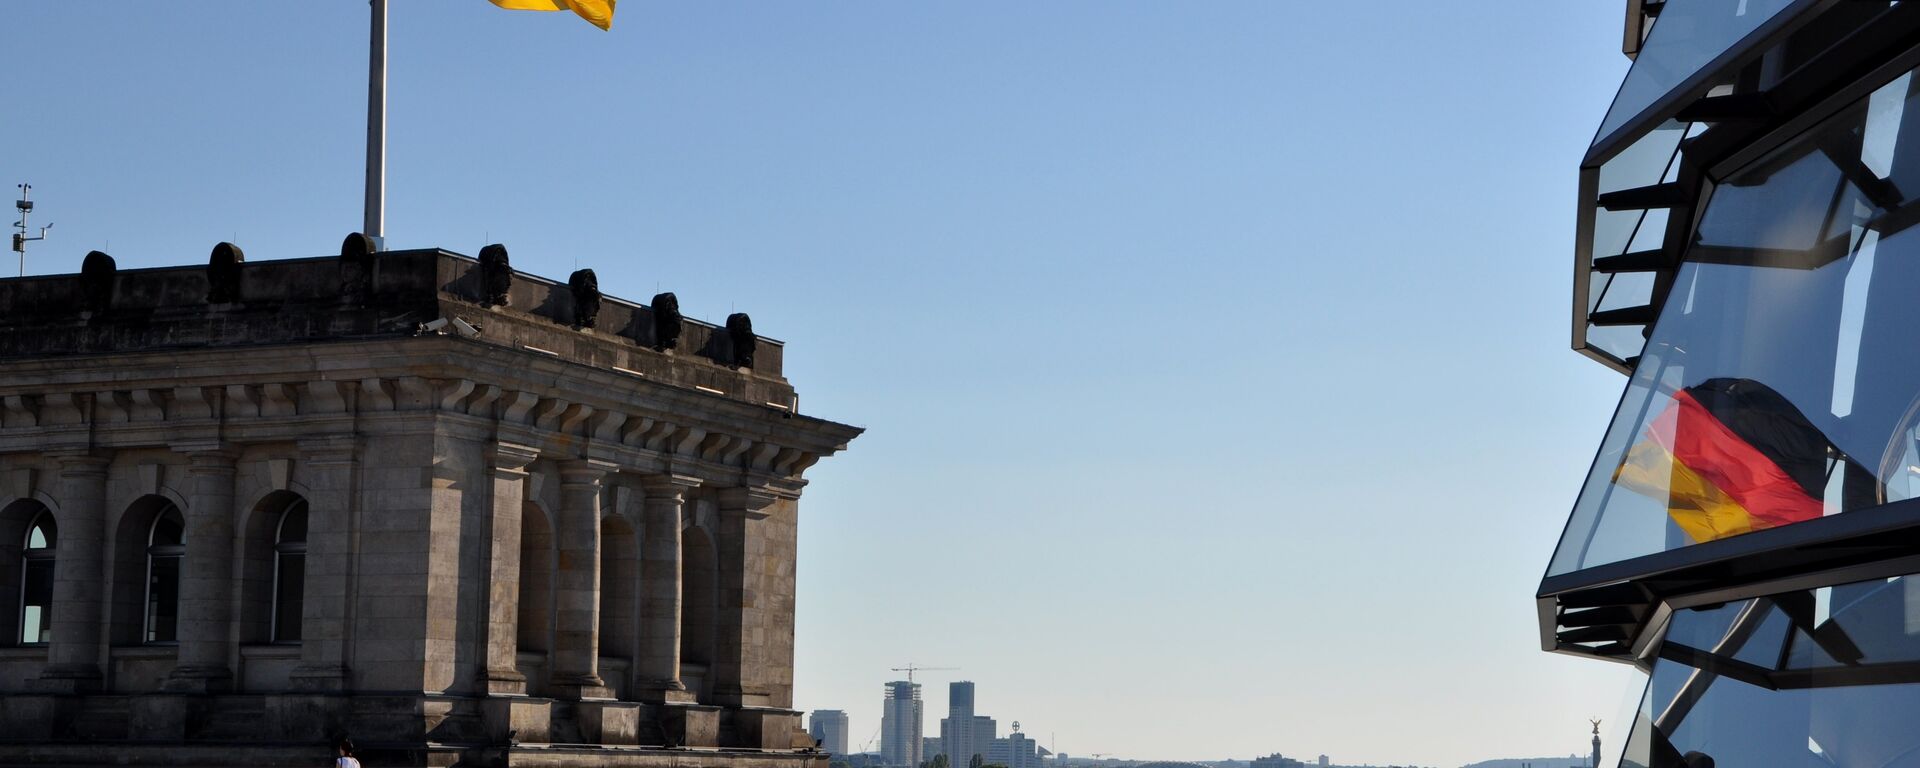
[(328, 468), (507, 463), (742, 556), (576, 637), (79, 578), (206, 578), (657, 660)]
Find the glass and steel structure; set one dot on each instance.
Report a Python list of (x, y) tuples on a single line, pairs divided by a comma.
[(1747, 256)]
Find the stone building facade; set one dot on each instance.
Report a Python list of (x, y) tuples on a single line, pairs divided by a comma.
[(458, 514)]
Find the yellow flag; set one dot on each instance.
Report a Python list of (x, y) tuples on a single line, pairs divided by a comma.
[(597, 12)]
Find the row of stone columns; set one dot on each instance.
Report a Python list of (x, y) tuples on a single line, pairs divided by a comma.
[(576, 652), (77, 654), (78, 648)]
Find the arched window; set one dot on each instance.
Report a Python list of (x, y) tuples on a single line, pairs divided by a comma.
[(165, 549), (36, 580), (290, 572)]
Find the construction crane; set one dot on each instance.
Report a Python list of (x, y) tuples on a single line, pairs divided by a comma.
[(911, 668)]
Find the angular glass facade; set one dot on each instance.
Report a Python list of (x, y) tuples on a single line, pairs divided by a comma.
[(1687, 36), (1817, 677), (1775, 387), (1749, 532)]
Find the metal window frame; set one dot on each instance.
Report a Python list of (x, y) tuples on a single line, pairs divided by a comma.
[(29, 555), (172, 551), (1758, 41), (282, 548)]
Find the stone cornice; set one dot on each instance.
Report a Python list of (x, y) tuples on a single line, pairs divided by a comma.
[(191, 399)]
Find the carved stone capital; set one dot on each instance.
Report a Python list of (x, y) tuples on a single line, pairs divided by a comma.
[(329, 449), (215, 459), (668, 488), (585, 471), (507, 458), (79, 464), (752, 501)]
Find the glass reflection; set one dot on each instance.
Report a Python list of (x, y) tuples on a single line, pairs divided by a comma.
[(1821, 677), (1778, 385), (1687, 35)]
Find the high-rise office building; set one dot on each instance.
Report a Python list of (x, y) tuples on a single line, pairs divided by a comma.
[(1014, 751), (984, 730), (1746, 257), (956, 730), (901, 725), (829, 727)]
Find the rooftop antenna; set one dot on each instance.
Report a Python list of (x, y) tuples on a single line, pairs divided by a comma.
[(20, 238)]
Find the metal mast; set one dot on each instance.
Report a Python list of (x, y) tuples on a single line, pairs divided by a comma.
[(20, 238), (376, 211)]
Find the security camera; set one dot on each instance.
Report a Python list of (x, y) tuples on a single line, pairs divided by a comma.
[(432, 326), (465, 328)]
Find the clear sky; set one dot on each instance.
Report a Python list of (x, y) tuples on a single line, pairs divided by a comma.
[(1213, 355)]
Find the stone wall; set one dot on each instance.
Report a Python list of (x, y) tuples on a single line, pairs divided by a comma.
[(499, 538)]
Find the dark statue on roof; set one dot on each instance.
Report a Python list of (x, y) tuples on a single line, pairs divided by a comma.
[(740, 332), (586, 298), (496, 276), (223, 273), (666, 321), (96, 281), (356, 264)]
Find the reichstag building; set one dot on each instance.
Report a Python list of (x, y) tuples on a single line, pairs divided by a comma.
[(1749, 535), (455, 513)]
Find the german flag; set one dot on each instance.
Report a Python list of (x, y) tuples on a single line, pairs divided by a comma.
[(1733, 456)]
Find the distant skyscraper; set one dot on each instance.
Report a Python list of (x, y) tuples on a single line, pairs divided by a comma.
[(900, 725), (1014, 751), (829, 727), (1323, 761), (957, 739)]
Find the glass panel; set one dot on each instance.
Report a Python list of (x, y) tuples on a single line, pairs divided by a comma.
[(1629, 289), (36, 601), (1779, 385), (1809, 711), (1621, 341), (293, 525), (1688, 34), (42, 535), (1646, 162), (168, 528), (163, 598), (289, 593)]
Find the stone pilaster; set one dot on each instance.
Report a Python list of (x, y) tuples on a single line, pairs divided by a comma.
[(328, 467), (79, 582), (507, 466), (657, 658), (576, 637), (743, 561), (206, 579)]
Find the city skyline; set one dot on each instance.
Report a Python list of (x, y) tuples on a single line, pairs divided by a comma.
[(1139, 433)]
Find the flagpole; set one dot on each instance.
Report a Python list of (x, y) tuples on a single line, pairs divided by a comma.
[(376, 211)]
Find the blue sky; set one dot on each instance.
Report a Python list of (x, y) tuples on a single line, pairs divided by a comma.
[(1213, 355)]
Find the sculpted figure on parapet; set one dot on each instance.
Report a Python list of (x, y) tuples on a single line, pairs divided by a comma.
[(496, 276)]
